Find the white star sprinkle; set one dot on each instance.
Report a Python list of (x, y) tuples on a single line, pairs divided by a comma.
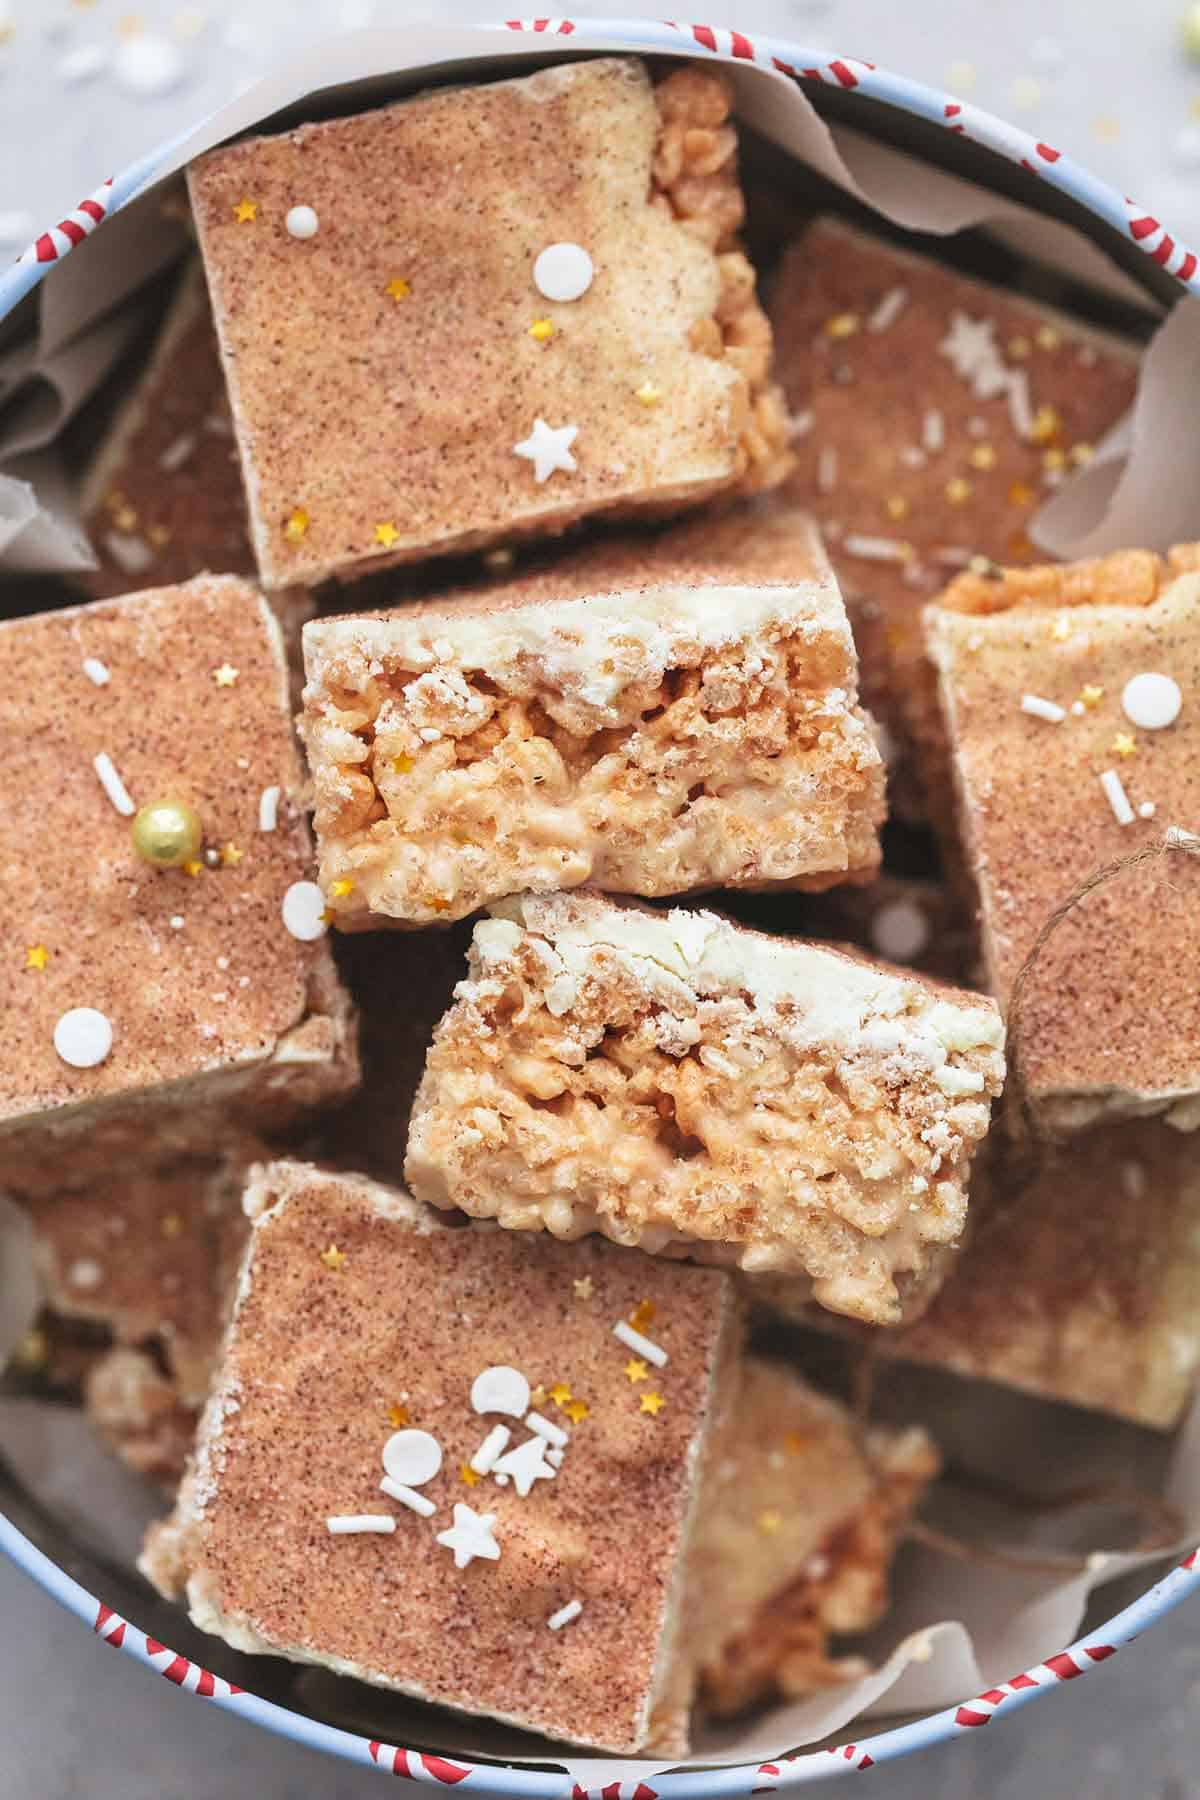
[(526, 1464), (548, 447), (470, 1536)]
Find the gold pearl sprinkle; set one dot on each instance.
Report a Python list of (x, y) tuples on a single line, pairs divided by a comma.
[(166, 833)]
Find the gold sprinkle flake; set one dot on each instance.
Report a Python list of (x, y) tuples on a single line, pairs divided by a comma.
[(769, 1522), (402, 763), (560, 1393), (1091, 695), (1054, 458), (226, 675), (334, 1259), (1124, 744), (33, 1350), (193, 868), (648, 394), (159, 536), (1048, 337), (398, 1417), (125, 519), (1021, 494), (1046, 425), (246, 211), (636, 1370), (642, 1315), (1060, 631), (842, 325), (795, 1443), (577, 1411), (958, 491), (467, 1475), (896, 506), (542, 330), (652, 1402), (537, 1398), (171, 1225), (398, 288), (386, 533), (982, 457), (584, 1288), (296, 524), (231, 856), (1019, 347), (340, 888), (1081, 454), (36, 956)]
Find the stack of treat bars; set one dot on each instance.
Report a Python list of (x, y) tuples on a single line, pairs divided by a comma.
[(404, 1203)]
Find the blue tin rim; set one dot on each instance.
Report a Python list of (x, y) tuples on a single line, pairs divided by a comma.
[(855, 77)]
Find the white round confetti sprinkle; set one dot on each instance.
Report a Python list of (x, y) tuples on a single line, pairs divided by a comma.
[(302, 222), (900, 930), (412, 1457), (303, 911), (145, 64), (176, 921), (501, 1389), (83, 1037), (1147, 809), (1151, 701), (563, 272), (86, 1273)]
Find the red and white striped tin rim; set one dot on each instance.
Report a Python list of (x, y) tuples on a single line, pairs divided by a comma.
[(862, 79)]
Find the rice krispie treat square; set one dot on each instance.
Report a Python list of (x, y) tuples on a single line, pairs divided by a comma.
[(1079, 1284), (487, 312), (136, 997), (430, 1460), (653, 716), (932, 414), (678, 1083), (1070, 696), (798, 1528)]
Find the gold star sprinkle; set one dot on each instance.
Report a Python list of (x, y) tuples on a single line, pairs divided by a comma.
[(246, 211), (560, 1393), (334, 1259), (648, 394), (1048, 337), (36, 956), (537, 1398), (1124, 744), (171, 1225), (1019, 347), (398, 1416), (577, 1411), (769, 1522), (340, 888), (398, 288), (386, 533), (1054, 459), (583, 1288), (636, 1370), (1020, 494), (642, 1315), (896, 506), (1081, 454), (193, 868), (125, 519), (842, 325), (1091, 695), (795, 1443), (231, 856), (1046, 425), (958, 491), (226, 675), (296, 524), (159, 536), (982, 457), (542, 330), (402, 763), (467, 1475), (652, 1402)]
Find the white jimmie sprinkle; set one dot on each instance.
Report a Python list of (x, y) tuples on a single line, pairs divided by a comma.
[(491, 1450), (1117, 798), (889, 309), (96, 671), (875, 549), (1042, 709), (112, 784), (268, 809), (641, 1346), (546, 1428), (346, 1524), (565, 1615), (407, 1496), (827, 468), (933, 432)]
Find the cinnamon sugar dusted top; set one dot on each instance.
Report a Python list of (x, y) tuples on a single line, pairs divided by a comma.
[(194, 971), (384, 371), (1110, 1018), (318, 1358)]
